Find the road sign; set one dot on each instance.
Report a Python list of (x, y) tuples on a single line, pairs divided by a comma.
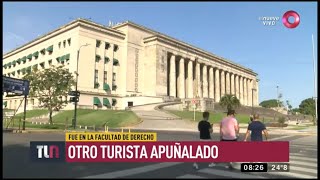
[(74, 99), (74, 93), (14, 85)]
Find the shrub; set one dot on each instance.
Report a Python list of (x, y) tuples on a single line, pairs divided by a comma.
[(281, 120)]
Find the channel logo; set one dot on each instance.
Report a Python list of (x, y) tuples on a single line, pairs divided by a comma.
[(287, 23), (47, 151)]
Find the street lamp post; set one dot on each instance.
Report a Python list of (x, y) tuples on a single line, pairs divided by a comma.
[(253, 89), (315, 80), (278, 96), (76, 101)]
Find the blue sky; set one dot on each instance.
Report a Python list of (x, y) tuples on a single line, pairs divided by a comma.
[(280, 56)]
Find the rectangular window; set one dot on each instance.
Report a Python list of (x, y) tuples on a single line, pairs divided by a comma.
[(115, 48), (32, 101), (59, 44), (42, 65), (69, 41), (96, 84), (98, 43), (95, 76), (114, 77), (105, 77), (107, 45), (64, 43)]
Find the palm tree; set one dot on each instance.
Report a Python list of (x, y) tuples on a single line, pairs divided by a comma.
[(229, 101)]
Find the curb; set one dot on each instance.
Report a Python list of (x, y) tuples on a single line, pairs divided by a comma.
[(163, 130), (139, 122), (157, 108)]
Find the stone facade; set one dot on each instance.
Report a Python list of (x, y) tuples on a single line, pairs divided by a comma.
[(139, 65)]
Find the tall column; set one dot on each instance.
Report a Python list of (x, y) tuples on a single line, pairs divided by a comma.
[(241, 90), (173, 76), (245, 92), (182, 86), (217, 85), (211, 82), (232, 85), (237, 87), (205, 81), (227, 83), (190, 79), (223, 84), (199, 93), (249, 92)]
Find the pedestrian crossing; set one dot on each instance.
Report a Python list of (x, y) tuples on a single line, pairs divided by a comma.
[(302, 165)]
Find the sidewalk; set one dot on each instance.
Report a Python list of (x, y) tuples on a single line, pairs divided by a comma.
[(243, 129)]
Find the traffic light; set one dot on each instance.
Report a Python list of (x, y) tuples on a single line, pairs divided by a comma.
[(75, 96)]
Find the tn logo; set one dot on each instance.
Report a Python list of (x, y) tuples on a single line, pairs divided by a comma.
[(48, 151)]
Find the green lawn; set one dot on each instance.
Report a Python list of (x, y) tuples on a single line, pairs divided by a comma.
[(213, 118), (34, 113), (87, 117)]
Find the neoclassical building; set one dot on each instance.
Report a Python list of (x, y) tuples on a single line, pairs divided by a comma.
[(128, 65)]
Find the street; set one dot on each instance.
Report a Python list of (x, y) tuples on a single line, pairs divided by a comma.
[(16, 162)]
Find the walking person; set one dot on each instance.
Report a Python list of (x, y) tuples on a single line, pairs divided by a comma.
[(256, 127), (229, 129), (205, 130)]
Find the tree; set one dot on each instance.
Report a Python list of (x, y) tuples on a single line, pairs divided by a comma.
[(270, 103), (307, 107), (289, 105), (229, 101), (295, 110), (281, 120), (49, 86)]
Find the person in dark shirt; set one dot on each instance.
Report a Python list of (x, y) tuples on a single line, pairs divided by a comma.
[(256, 128), (205, 130), (204, 127)]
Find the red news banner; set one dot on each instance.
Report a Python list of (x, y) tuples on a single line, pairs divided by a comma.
[(114, 148)]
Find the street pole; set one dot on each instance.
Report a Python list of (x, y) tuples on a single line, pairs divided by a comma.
[(76, 101), (278, 96), (24, 113), (315, 80), (253, 90), (194, 112)]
